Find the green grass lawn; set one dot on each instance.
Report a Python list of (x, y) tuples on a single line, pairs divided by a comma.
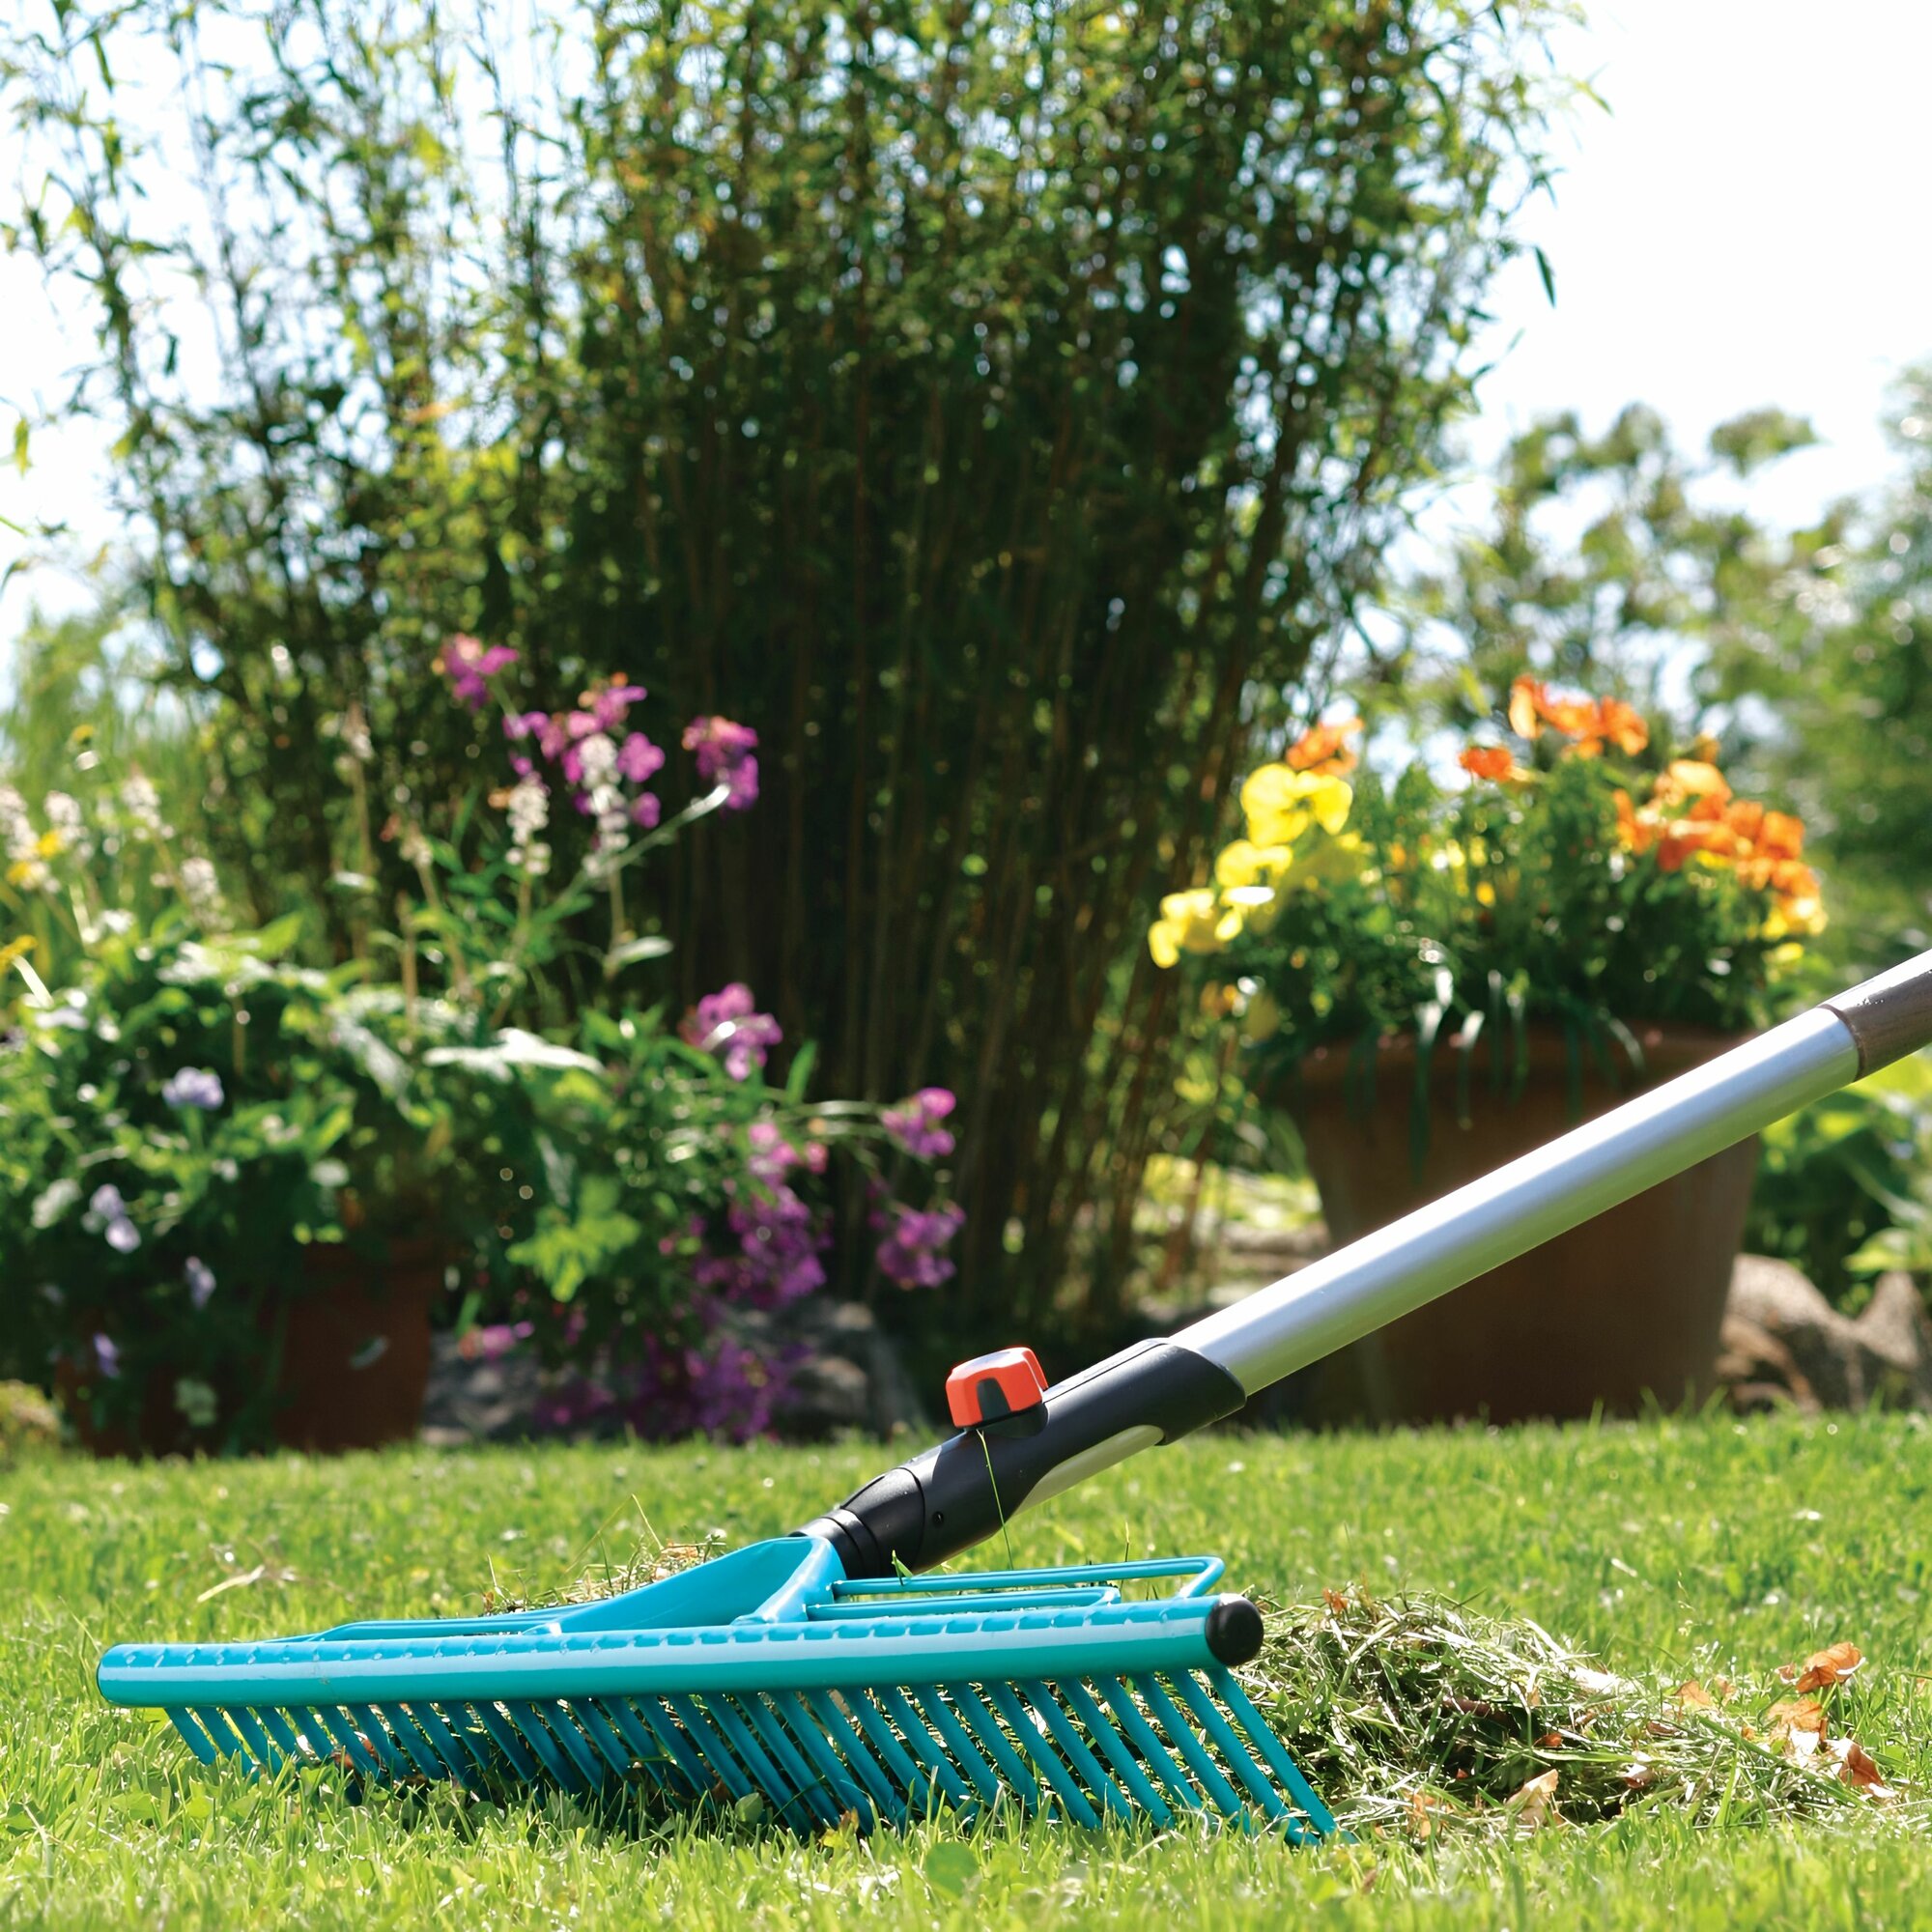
[(1669, 1549)]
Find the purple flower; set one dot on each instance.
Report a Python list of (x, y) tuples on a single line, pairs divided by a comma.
[(470, 664), (200, 1279), (637, 758), (521, 725), (724, 1023), (723, 751), (107, 1216), (196, 1086), (612, 702), (914, 1125), (645, 810), (106, 1358), (910, 1254)]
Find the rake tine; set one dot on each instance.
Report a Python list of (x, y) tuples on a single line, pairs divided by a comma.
[(1230, 1745), (428, 1720), (1100, 1727), (702, 1754), (529, 1719), (1154, 1753), (412, 1741), (806, 1781), (1042, 1755), (852, 1748), (765, 1775), (372, 1726), (277, 1727), (352, 1746), (562, 1723), (662, 1769), (925, 1745), (986, 1780), (817, 1748), (266, 1757), (923, 1794), (1261, 1733), (226, 1738), (1075, 1748), (1188, 1744), (597, 1728), (509, 1741), (193, 1736), (986, 1728)]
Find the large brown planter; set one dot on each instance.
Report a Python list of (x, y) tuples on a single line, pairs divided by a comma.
[(354, 1354), (356, 1348), (1625, 1307)]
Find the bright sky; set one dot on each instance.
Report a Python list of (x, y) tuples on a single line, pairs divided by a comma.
[(1745, 226)]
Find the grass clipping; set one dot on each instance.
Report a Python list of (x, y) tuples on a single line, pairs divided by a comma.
[(1415, 1716)]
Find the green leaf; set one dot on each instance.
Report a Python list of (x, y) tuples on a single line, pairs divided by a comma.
[(23, 462), (652, 946), (950, 1867), (1548, 274)]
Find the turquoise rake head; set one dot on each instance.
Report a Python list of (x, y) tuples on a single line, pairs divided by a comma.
[(769, 1672)]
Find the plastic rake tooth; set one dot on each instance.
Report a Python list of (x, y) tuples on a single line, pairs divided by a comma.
[(825, 1698)]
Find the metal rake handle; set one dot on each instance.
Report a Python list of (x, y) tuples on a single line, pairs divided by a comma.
[(957, 1494)]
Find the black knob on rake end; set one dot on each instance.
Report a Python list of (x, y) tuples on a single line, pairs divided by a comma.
[(1235, 1631)]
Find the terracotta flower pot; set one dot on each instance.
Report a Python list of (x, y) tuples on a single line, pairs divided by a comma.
[(355, 1361), (356, 1348), (1624, 1307)]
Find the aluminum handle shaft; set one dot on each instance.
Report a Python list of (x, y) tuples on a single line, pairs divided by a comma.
[(1358, 1289)]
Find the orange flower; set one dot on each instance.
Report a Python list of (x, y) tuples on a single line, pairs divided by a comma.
[(1618, 724), (1590, 724), (1690, 788), (1490, 761), (1324, 749)]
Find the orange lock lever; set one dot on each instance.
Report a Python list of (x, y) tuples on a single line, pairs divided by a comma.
[(991, 1386)]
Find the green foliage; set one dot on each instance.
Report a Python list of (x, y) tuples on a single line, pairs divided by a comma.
[(1850, 676), (187, 1119), (1840, 1186), (990, 407)]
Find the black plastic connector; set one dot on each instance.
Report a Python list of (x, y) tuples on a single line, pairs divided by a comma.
[(954, 1495)]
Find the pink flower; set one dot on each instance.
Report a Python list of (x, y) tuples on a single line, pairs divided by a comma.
[(470, 664), (613, 701), (910, 1254), (723, 751), (637, 758), (725, 1024), (913, 1126), (646, 810)]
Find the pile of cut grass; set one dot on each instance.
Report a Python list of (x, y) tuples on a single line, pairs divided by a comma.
[(1421, 1714)]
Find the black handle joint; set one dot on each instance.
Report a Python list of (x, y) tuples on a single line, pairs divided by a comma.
[(950, 1497)]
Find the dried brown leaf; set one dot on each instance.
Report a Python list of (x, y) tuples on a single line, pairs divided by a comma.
[(1536, 1802), (1796, 1714), (1823, 1668), (1694, 1697), (1336, 1601), (1856, 1768)]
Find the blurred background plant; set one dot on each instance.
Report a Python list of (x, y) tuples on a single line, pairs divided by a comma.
[(995, 410)]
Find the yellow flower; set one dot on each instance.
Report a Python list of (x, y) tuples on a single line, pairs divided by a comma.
[(1282, 803), (1245, 863), (15, 949), (1263, 1018), (1342, 857), (1191, 921)]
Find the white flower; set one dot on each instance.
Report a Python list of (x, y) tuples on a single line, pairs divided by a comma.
[(66, 820), (202, 892), (27, 864), (141, 805), (60, 1196)]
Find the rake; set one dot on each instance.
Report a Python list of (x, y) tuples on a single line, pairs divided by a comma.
[(819, 1675)]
